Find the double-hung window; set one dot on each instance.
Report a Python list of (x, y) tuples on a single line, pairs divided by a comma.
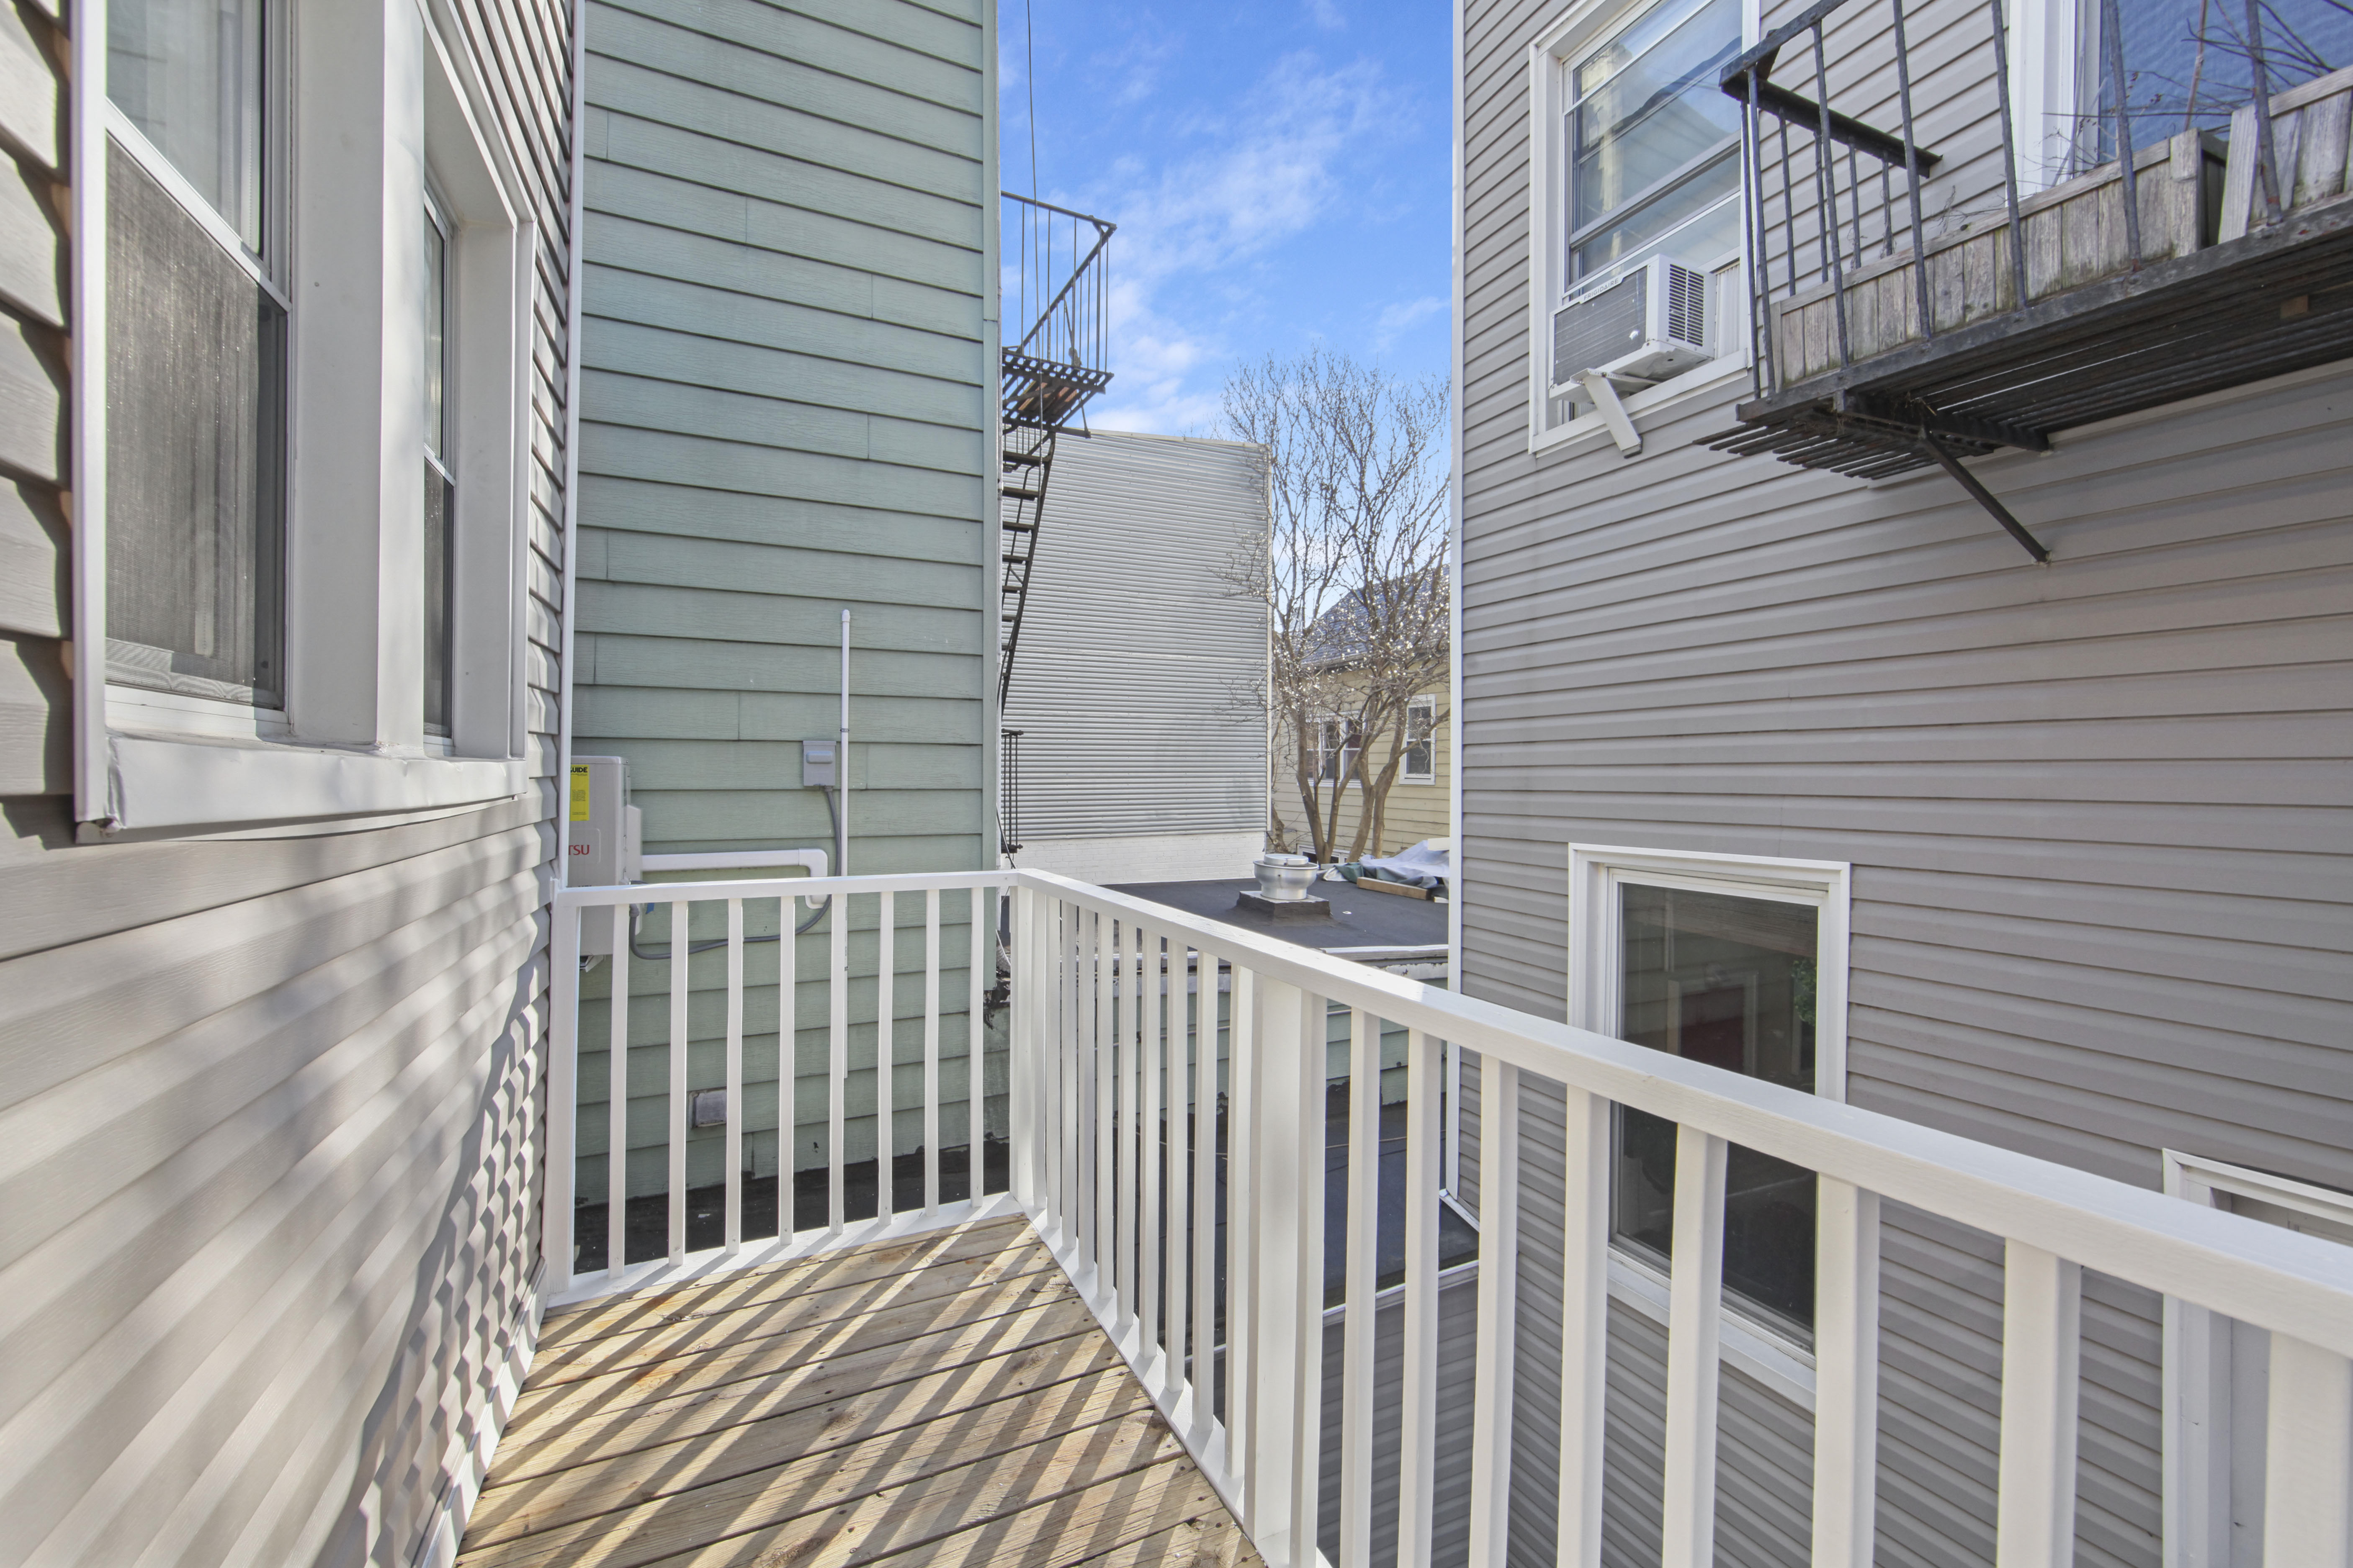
[(293, 623), (1637, 156), (196, 329), (1653, 143), (1420, 742), (1334, 749), (1738, 962)]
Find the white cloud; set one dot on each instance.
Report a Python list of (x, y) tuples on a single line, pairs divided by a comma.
[(1395, 319), (1326, 14), (1261, 174)]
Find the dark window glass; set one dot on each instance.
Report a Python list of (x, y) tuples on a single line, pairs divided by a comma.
[(440, 494), (195, 454), (440, 515), (1420, 723), (1729, 982)]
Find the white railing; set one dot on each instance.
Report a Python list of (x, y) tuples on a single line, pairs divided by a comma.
[(1126, 1014)]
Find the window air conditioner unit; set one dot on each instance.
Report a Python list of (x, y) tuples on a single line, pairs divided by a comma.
[(1647, 324)]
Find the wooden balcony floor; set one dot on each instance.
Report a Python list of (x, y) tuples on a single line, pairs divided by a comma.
[(945, 1398)]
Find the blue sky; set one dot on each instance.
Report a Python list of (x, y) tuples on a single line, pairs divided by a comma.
[(1279, 172)]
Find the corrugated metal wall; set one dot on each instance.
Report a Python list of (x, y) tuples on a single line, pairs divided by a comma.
[(267, 1217), (2097, 811), (788, 405), (1136, 683)]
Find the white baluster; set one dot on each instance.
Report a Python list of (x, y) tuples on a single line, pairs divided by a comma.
[(1241, 1227), (1073, 949), (1363, 1278), (1286, 1201), (788, 1064), (679, 964), (1024, 1083), (734, 1237), (837, 1092), (1846, 1376), (1179, 1206), (1126, 1124), (1694, 1313), (1499, 1211), (1149, 1135), (975, 1101), (2308, 1458), (1204, 1198), (932, 1048), (1418, 1434), (2041, 1315), (617, 1102), (1584, 1325), (886, 1057), (563, 1104)]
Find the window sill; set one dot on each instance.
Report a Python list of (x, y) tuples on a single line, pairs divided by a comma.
[(181, 780), (1587, 430), (1782, 1367)]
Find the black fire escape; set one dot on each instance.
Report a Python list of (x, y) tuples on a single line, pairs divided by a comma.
[(1048, 376), (2197, 263)]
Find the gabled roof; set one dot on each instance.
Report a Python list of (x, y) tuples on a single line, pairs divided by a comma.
[(1343, 632)]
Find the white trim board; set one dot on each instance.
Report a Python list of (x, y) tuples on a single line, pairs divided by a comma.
[(174, 782), (1596, 869), (2213, 1372), (1579, 26)]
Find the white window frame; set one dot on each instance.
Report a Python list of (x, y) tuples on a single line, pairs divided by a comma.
[(1427, 775), (2050, 78), (350, 739), (1575, 32), (1595, 872), (2197, 1393)]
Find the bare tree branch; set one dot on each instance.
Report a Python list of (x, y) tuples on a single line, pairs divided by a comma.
[(1352, 571)]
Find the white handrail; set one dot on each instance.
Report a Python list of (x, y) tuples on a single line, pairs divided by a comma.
[(1131, 1085)]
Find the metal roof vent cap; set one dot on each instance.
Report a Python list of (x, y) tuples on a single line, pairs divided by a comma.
[(1284, 878)]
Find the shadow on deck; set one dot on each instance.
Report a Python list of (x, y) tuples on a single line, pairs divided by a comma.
[(944, 1398)]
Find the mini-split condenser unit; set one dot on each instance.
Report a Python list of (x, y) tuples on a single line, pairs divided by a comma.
[(1647, 324)]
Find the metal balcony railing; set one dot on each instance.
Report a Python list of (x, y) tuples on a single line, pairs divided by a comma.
[(1908, 310), (1061, 302), (1166, 1098)]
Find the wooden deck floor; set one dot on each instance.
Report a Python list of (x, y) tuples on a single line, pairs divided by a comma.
[(941, 1399)]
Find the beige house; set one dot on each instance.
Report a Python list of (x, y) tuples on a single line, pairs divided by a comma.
[(1419, 805)]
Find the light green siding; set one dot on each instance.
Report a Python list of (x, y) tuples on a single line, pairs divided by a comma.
[(789, 394)]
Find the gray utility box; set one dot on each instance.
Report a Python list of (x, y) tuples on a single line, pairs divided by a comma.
[(605, 846)]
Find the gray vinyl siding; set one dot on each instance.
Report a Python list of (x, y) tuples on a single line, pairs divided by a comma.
[(36, 713), (1457, 1346), (2097, 811), (788, 410), (1135, 686), (269, 1106)]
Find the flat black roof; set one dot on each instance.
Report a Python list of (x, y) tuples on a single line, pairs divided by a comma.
[(1358, 918)]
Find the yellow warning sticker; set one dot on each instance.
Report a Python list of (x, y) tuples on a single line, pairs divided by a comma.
[(580, 791)]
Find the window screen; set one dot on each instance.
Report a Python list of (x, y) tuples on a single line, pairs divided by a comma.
[(195, 458), (1727, 981)]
